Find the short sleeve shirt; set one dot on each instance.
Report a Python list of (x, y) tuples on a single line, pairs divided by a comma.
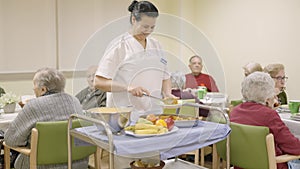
[(127, 62)]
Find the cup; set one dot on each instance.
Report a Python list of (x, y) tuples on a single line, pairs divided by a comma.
[(294, 106), (201, 93)]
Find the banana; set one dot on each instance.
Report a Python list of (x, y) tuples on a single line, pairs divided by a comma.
[(130, 128), (141, 126), (146, 131)]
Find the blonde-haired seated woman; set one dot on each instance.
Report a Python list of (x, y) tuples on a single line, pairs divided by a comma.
[(252, 67), (258, 93), (277, 72)]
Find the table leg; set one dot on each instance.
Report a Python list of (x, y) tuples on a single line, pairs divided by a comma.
[(215, 160), (202, 156)]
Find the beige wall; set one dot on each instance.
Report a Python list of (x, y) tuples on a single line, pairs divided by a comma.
[(251, 30), (240, 30)]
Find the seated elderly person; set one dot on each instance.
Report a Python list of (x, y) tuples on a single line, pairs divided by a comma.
[(252, 67), (178, 83), (258, 93), (277, 72), (197, 77), (91, 97), (51, 104)]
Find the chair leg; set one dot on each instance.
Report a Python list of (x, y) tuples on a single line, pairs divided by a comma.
[(97, 157), (6, 157), (202, 156), (215, 158), (196, 160)]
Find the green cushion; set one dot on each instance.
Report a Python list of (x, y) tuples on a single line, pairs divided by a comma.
[(247, 146), (53, 145)]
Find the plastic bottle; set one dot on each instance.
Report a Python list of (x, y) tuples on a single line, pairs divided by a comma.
[(203, 87), (202, 90)]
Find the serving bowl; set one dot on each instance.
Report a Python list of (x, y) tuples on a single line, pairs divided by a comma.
[(116, 118), (185, 121), (160, 166)]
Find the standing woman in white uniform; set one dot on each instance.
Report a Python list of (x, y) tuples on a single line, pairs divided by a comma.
[(133, 64)]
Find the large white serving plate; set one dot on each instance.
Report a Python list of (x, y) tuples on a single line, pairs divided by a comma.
[(131, 133)]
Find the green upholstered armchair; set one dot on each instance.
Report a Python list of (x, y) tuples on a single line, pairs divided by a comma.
[(252, 147), (49, 146)]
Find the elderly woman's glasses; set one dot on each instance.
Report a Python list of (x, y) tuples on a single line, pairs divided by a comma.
[(279, 78)]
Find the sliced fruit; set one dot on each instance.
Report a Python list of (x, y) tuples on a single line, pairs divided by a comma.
[(161, 122)]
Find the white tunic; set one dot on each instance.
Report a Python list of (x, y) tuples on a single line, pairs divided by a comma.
[(127, 62)]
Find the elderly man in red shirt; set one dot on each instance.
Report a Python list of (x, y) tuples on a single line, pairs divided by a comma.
[(197, 78)]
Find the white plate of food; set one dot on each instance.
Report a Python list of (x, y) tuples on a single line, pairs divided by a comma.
[(181, 121), (131, 133)]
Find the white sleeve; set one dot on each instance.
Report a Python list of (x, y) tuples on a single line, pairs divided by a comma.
[(111, 59)]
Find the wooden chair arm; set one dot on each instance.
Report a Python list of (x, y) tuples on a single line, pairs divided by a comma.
[(286, 157), (22, 150)]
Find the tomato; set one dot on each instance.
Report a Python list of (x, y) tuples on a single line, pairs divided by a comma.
[(170, 123), (161, 122)]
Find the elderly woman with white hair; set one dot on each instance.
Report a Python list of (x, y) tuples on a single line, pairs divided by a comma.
[(51, 104), (258, 90)]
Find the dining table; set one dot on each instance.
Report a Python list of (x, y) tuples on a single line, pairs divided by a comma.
[(7, 118), (292, 123)]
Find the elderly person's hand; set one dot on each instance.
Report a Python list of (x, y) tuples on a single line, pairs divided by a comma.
[(273, 102), (276, 101)]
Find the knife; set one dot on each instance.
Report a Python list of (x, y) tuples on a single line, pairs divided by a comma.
[(154, 97)]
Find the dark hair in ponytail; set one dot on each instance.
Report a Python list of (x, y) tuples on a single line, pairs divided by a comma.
[(143, 7)]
